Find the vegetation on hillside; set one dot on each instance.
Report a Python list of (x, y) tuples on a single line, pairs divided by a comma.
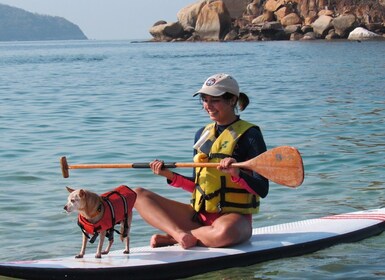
[(19, 25)]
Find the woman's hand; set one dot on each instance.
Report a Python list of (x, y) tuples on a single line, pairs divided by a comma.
[(157, 168), (225, 166)]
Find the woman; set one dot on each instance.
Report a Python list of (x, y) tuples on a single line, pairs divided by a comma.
[(223, 198)]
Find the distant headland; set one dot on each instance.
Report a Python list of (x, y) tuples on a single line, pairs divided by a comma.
[(19, 25), (262, 20)]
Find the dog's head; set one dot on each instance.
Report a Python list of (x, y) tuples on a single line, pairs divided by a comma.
[(75, 200)]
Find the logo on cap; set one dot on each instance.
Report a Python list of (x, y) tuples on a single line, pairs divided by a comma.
[(210, 82)]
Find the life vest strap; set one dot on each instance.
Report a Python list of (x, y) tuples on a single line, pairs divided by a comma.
[(253, 204), (207, 196), (218, 155), (223, 190)]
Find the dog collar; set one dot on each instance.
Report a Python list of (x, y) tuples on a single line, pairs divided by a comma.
[(98, 210)]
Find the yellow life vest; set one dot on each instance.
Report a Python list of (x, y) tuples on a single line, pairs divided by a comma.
[(215, 192)]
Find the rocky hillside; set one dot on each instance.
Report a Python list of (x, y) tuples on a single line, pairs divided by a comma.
[(20, 25), (217, 20)]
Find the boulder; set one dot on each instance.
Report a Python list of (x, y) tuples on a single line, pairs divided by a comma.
[(156, 32), (306, 29), (266, 16), (167, 31), (309, 36), (282, 12), (255, 8), (332, 35), (295, 28), (296, 36), (291, 19), (274, 5), (322, 26), (326, 13), (213, 22), (274, 31), (231, 36), (272, 25), (361, 33), (187, 16), (344, 24)]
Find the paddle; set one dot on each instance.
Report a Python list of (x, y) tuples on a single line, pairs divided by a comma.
[(282, 165)]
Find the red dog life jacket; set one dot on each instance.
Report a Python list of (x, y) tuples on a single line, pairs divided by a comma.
[(117, 204)]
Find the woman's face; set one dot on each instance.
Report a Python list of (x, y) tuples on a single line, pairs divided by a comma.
[(219, 109)]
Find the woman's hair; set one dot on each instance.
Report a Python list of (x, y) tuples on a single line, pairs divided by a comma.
[(243, 100)]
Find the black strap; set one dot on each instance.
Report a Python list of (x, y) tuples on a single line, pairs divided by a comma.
[(125, 225), (218, 155), (94, 236), (109, 203)]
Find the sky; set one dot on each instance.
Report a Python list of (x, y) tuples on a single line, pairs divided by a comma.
[(107, 19)]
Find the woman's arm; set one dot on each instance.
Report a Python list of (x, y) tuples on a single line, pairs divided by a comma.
[(250, 145)]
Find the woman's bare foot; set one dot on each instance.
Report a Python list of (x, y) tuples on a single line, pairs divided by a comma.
[(186, 240), (159, 240)]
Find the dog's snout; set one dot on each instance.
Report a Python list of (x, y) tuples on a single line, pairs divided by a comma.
[(65, 207)]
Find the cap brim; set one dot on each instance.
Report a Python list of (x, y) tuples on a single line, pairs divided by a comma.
[(210, 91)]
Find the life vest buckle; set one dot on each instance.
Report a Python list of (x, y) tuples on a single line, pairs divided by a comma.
[(93, 238), (219, 207)]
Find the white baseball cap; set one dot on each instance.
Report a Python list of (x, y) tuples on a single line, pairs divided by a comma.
[(219, 84)]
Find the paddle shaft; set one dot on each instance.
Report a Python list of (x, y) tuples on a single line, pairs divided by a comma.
[(142, 165), (282, 165), (66, 167)]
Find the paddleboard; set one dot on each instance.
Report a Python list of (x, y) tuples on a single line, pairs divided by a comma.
[(266, 243)]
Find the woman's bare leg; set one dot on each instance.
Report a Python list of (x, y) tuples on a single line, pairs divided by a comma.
[(227, 230), (172, 217)]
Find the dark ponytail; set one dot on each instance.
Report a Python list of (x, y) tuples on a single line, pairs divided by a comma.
[(243, 101)]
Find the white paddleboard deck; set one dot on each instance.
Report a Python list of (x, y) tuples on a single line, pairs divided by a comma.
[(267, 243)]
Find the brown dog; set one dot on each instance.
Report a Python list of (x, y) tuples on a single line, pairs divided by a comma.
[(99, 214)]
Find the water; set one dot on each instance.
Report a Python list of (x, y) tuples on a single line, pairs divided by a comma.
[(116, 101)]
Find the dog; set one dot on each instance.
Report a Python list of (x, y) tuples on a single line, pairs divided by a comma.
[(97, 216)]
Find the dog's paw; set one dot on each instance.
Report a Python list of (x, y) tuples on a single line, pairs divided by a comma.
[(79, 256), (98, 256), (105, 252), (126, 252)]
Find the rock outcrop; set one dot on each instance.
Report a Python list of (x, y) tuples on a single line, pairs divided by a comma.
[(218, 20)]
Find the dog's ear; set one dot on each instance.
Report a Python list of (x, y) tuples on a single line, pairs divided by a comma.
[(82, 193), (69, 189)]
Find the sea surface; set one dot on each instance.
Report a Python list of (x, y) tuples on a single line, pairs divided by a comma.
[(123, 101)]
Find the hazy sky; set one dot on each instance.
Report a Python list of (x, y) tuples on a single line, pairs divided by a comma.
[(107, 19)]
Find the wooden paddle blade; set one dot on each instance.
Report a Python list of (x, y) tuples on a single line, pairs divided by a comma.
[(64, 167), (282, 165)]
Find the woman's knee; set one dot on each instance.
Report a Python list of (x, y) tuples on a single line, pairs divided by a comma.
[(141, 194), (140, 191), (231, 234)]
